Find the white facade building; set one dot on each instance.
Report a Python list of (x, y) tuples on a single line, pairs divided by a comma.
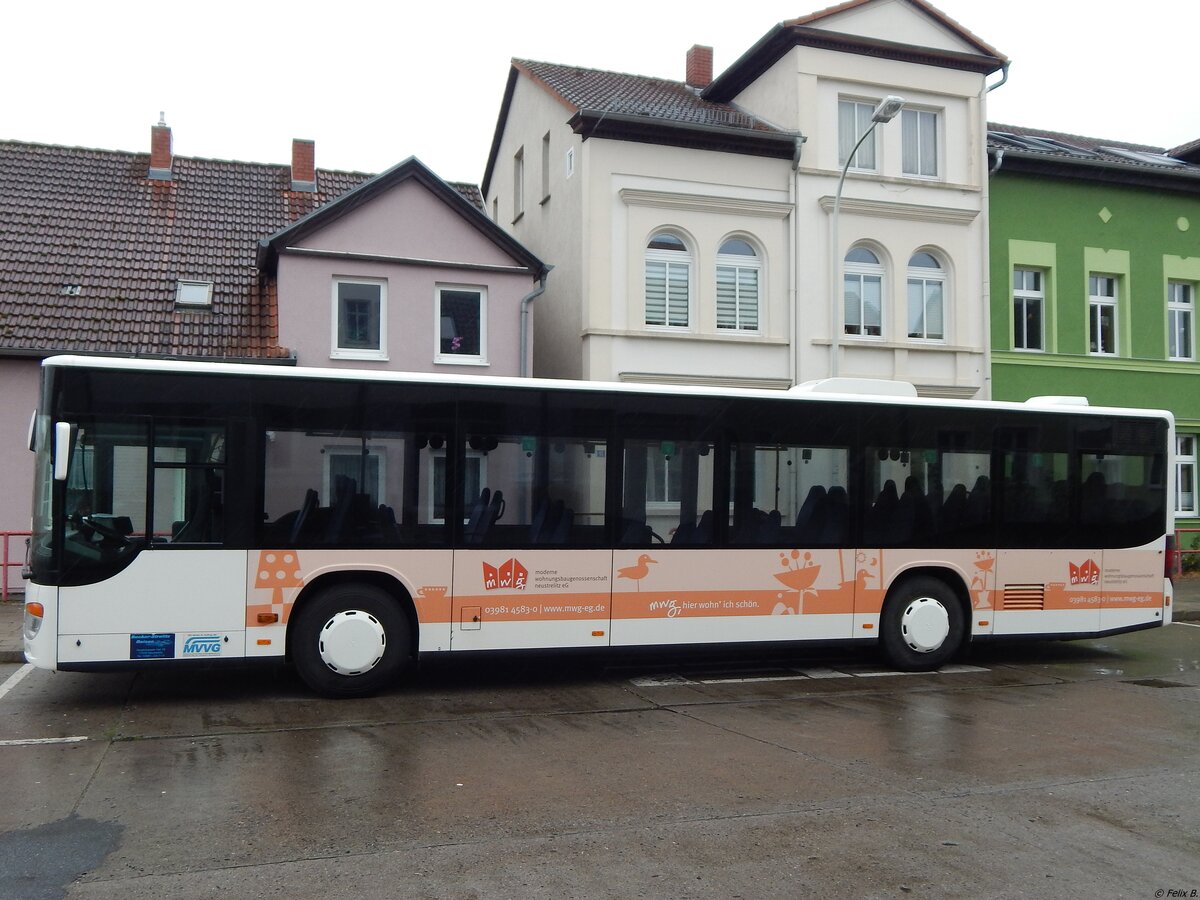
[(689, 223)]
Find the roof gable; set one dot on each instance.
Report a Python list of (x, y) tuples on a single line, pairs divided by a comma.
[(917, 33), (354, 223), (903, 21)]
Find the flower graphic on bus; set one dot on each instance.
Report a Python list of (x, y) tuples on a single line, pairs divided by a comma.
[(984, 562), (510, 575), (799, 577), (1086, 573)]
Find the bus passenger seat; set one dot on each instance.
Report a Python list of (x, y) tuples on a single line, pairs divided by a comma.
[(311, 499), (478, 510), (562, 528), (810, 521), (837, 517)]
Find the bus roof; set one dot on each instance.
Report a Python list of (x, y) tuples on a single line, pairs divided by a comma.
[(845, 389)]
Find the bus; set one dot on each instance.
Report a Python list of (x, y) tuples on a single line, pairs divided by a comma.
[(352, 523)]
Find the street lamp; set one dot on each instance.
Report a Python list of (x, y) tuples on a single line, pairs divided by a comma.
[(884, 112)]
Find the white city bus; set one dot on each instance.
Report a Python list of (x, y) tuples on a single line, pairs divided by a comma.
[(352, 522)]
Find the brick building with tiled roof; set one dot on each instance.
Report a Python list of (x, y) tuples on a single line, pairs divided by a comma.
[(154, 255), (92, 251)]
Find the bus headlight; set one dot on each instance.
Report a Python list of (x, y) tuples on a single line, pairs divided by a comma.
[(34, 612)]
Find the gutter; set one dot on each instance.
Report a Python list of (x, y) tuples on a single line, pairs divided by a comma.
[(17, 353), (1003, 78), (524, 324)]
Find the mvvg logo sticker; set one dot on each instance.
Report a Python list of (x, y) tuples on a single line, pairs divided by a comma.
[(1088, 573), (202, 645), (510, 576)]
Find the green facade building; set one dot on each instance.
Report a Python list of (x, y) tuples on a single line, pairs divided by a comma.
[(1095, 279)]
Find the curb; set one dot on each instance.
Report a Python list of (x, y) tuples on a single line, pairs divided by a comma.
[(12, 656)]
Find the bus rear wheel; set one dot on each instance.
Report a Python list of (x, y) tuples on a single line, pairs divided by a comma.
[(350, 640), (922, 626)]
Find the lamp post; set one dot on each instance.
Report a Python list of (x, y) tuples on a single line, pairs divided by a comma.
[(884, 112)]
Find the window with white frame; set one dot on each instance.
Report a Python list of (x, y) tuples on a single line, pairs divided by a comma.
[(1180, 303), (359, 319), (863, 292), (854, 118), (1102, 315), (1185, 474), (919, 142), (738, 276), (1029, 306), (461, 314), (545, 167), (668, 281), (926, 298)]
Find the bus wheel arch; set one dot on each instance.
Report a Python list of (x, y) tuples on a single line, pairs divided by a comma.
[(352, 633), (925, 619)]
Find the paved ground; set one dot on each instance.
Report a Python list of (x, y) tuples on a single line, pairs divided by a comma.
[(1187, 609), (1040, 770)]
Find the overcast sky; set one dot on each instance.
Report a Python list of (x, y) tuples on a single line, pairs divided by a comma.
[(373, 84)]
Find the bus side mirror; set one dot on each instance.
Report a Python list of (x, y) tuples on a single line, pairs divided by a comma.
[(62, 449)]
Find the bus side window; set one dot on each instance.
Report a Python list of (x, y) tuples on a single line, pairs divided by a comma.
[(787, 495), (351, 489), (667, 493)]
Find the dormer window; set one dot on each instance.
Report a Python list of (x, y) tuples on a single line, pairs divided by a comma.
[(196, 294)]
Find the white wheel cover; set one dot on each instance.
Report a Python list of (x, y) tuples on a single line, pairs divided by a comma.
[(925, 624), (352, 642)]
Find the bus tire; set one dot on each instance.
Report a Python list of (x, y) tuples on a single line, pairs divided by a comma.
[(922, 625), (350, 640)]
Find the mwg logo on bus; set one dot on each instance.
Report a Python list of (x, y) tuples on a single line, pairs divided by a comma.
[(510, 576), (1087, 573)]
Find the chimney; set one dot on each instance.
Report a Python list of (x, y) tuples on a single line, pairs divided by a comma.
[(699, 66), (304, 165), (160, 151)]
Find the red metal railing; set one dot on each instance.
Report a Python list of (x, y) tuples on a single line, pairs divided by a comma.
[(9, 562), (1180, 550)]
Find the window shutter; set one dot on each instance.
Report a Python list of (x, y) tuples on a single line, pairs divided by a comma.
[(677, 276), (656, 293), (727, 311)]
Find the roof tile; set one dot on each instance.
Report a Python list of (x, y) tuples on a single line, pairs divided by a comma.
[(71, 215), (637, 95)]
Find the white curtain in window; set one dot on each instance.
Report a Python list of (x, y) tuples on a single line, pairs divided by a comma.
[(853, 120), (667, 289), (919, 142), (737, 298)]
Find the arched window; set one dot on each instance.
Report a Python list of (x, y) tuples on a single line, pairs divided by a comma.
[(668, 281), (863, 292), (738, 277), (926, 298)]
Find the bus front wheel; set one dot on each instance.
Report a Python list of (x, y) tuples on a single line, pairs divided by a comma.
[(350, 641), (922, 626)]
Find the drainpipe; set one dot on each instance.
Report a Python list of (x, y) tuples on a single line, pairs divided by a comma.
[(525, 301), (1003, 77), (986, 238), (794, 264)]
